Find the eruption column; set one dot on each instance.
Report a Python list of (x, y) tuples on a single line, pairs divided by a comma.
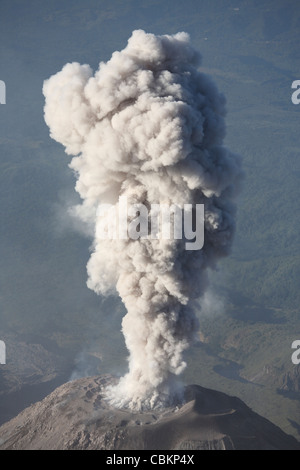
[(148, 126)]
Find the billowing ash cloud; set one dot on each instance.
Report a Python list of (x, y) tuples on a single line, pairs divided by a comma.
[(148, 125)]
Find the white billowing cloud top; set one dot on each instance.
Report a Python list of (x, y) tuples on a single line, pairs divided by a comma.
[(148, 126)]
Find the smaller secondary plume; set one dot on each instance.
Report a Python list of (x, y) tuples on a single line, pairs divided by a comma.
[(148, 126)]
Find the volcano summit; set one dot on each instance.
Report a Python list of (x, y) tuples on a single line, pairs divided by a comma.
[(77, 416)]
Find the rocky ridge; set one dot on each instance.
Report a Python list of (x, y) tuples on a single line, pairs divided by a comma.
[(77, 416)]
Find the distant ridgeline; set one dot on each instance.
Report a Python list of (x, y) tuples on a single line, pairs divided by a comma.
[(2, 92)]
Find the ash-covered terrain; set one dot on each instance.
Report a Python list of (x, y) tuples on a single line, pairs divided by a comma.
[(76, 416)]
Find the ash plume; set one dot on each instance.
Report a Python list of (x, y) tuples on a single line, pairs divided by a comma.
[(148, 126)]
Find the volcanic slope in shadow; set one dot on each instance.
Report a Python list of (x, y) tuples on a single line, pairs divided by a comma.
[(76, 416)]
